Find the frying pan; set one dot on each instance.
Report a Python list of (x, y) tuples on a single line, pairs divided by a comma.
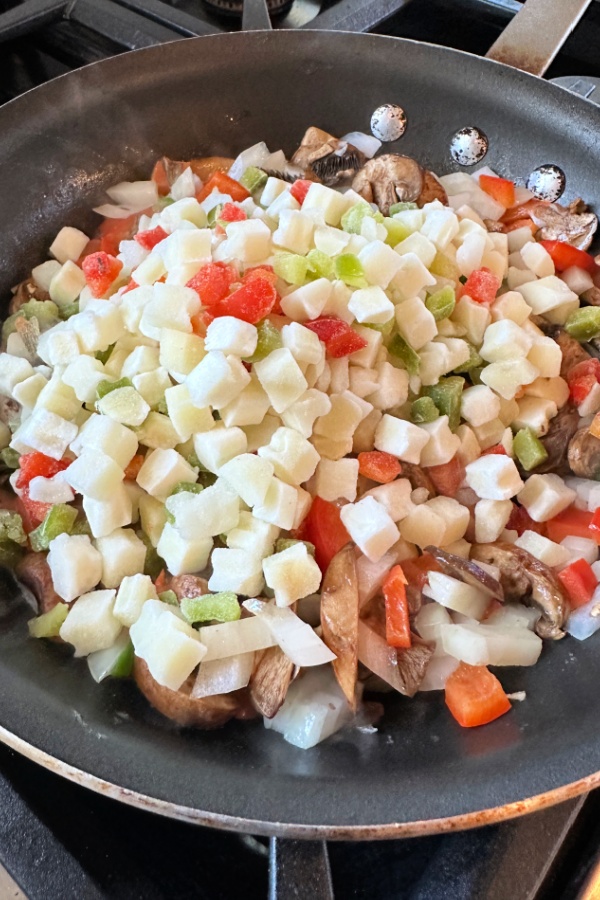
[(60, 146)]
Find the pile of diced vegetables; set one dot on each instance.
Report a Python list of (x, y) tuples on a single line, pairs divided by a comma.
[(244, 383)]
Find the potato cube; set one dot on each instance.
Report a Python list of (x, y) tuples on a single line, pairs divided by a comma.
[(474, 317), (367, 357), (124, 405), (535, 413), (281, 378), (371, 305), (141, 359), (279, 506), (111, 438), (380, 262), (187, 419), (217, 380), (442, 444), (57, 397), (253, 535), (215, 510), (293, 458), (75, 565), (510, 305), (411, 277), (307, 302), (84, 375), (69, 243), (505, 340), (151, 386), (303, 344), (415, 323), (183, 556), (105, 515), (248, 408), (494, 477), (547, 551), (545, 496), (370, 527), (231, 335), (216, 447), (508, 376), (66, 284), (419, 244), (153, 516), (423, 526), (123, 553), (295, 231), (131, 596), (546, 355), (491, 517), (169, 646), (45, 432), (180, 353), (171, 307), (401, 438), (395, 498), (547, 294), (91, 624), (236, 570), (479, 404), (302, 414), (455, 516), (292, 574), (249, 476), (336, 479), (162, 470), (13, 370)]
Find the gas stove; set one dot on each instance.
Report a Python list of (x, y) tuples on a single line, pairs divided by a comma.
[(58, 840)]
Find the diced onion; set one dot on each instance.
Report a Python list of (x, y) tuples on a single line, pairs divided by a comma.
[(222, 676), (102, 662), (366, 143), (297, 639), (490, 645), (110, 211), (257, 155), (438, 671), (314, 708), (584, 621), (136, 195), (185, 185), (233, 638)]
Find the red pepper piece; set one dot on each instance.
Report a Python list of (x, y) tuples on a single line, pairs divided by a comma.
[(225, 185), (150, 238), (579, 581), (500, 189), (564, 256), (100, 270), (232, 213), (379, 466), (324, 529), (299, 190), (397, 625), (212, 282), (251, 302), (481, 286)]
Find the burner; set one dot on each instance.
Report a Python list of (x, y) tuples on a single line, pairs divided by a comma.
[(235, 7)]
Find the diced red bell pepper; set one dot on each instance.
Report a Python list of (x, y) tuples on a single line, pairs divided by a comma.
[(323, 527), (379, 466), (495, 450), (232, 213), (133, 467), (131, 286), (448, 477), (32, 465), (521, 521), (417, 569), (582, 378), (500, 189), (150, 238), (100, 270), (225, 185), (572, 522), (299, 190), (564, 256), (595, 520), (579, 581), (474, 696), (267, 272), (212, 282), (481, 286), (159, 177), (33, 512), (397, 624), (112, 231), (339, 338), (251, 302)]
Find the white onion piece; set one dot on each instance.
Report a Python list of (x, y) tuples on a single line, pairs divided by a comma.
[(137, 195), (214, 199), (456, 595), (257, 155), (578, 280), (484, 170), (371, 574), (185, 185), (514, 615), (584, 621), (297, 639), (457, 183), (580, 548), (428, 621), (522, 195), (438, 671), (376, 654), (102, 662), (366, 143), (233, 638), (491, 645), (222, 676), (314, 708), (110, 211)]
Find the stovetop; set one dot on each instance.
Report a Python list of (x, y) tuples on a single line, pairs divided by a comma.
[(61, 842)]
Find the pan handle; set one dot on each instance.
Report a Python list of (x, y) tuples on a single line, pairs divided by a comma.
[(299, 870), (535, 35), (255, 16)]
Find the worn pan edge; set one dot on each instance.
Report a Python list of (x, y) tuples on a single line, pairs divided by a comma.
[(388, 831)]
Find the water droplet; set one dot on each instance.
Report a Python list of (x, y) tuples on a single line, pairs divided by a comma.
[(388, 122), (468, 146), (547, 182)]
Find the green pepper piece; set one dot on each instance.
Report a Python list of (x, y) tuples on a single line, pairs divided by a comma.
[(528, 448), (401, 207), (446, 395), (222, 607), (353, 218), (49, 623), (442, 303), (396, 231), (385, 329), (321, 264), (104, 355), (105, 387), (398, 347), (212, 217), (269, 339), (11, 527), (291, 267), (45, 311), (123, 666), (423, 410), (253, 179), (191, 487), (71, 309), (10, 458), (584, 323), (169, 597), (163, 202), (81, 526), (348, 269), (285, 543), (474, 361), (58, 520)]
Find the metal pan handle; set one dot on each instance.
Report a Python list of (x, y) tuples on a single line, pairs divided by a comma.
[(255, 16), (535, 35), (299, 870)]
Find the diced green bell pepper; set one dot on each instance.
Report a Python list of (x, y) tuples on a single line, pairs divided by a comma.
[(10, 458), (353, 218), (222, 607), (285, 543), (212, 216), (253, 179), (398, 347), (104, 355), (442, 303), (169, 597), (401, 207), (584, 323), (11, 527), (190, 487), (446, 395), (423, 410), (59, 520), (528, 449), (105, 387), (71, 309), (321, 264), (348, 269), (49, 623), (396, 231), (269, 339), (291, 267)]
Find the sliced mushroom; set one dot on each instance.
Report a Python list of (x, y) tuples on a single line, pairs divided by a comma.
[(25, 291), (390, 178), (584, 454), (467, 571), (527, 580), (208, 712), (493, 226), (418, 478), (34, 572), (323, 156), (182, 585), (402, 669), (562, 428), (592, 295), (432, 190), (572, 224), (10, 410), (270, 680), (339, 619)]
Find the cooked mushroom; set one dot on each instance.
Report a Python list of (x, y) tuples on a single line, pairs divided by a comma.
[(182, 585), (25, 291), (562, 428), (402, 669), (34, 572), (432, 190), (584, 454), (418, 478), (467, 571), (208, 712), (9, 410), (572, 224), (388, 179), (270, 680), (339, 618), (527, 580), (592, 295), (322, 155)]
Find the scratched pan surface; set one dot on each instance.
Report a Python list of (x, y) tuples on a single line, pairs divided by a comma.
[(60, 145)]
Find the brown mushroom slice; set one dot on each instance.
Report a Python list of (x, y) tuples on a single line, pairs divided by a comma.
[(390, 178), (432, 190), (270, 680), (562, 428), (527, 580), (467, 571), (418, 478), (584, 454), (404, 670), (34, 572), (182, 585), (569, 224), (323, 156), (339, 619), (572, 351), (25, 291), (180, 707)]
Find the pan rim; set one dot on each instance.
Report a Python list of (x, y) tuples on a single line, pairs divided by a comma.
[(224, 822)]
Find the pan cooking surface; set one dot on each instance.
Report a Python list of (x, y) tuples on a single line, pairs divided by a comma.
[(60, 145)]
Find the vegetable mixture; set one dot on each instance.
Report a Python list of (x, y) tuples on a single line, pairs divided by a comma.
[(284, 433)]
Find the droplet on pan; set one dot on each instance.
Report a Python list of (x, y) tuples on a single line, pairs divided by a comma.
[(388, 122), (468, 146), (547, 182)]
